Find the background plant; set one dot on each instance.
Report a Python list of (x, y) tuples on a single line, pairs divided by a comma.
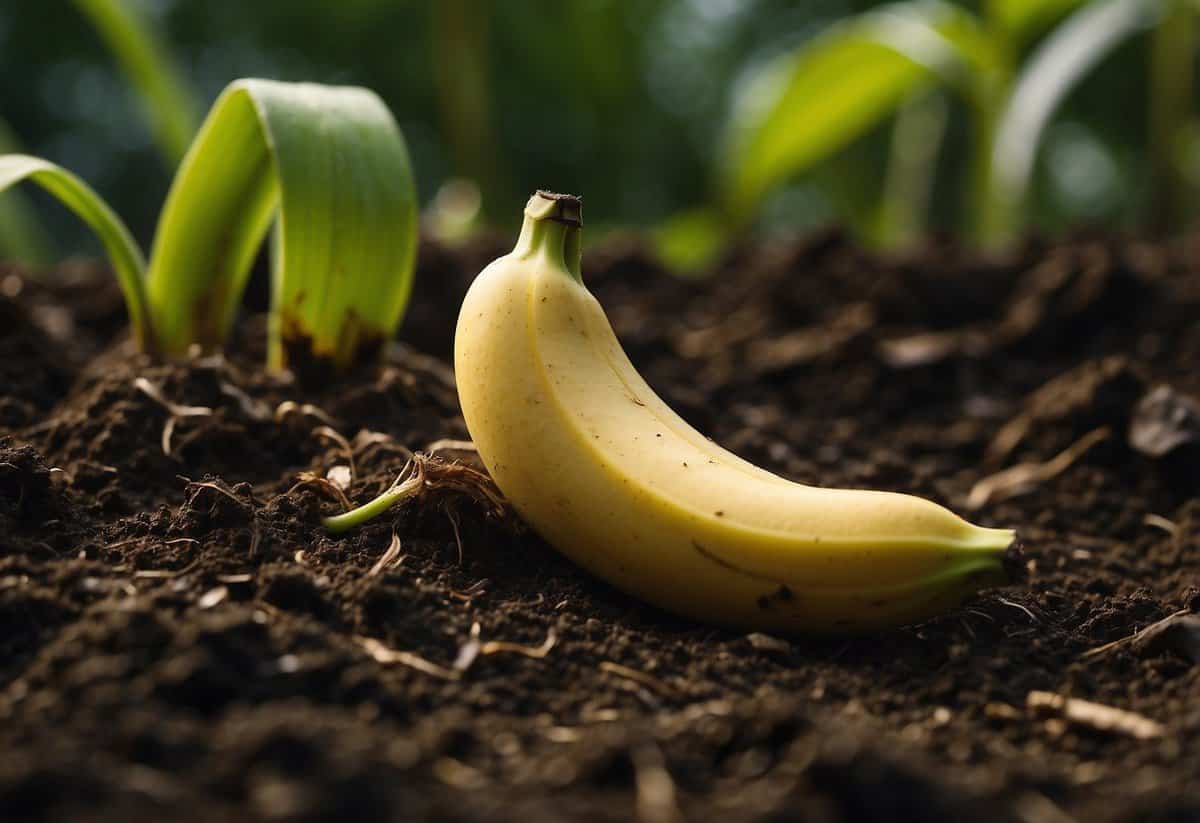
[(636, 133), (808, 104)]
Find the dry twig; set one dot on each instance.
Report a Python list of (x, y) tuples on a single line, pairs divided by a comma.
[(1182, 626), (175, 411), (447, 444), (536, 652), (1095, 715), (323, 484), (633, 674), (382, 654), (389, 559), (1025, 477), (290, 407)]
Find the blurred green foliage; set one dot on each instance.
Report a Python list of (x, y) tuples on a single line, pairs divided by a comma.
[(624, 101), (813, 101)]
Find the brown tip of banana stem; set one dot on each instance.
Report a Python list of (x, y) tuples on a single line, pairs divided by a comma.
[(1014, 562), (562, 208)]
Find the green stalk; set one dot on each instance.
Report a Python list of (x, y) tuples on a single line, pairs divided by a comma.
[(1172, 49), (355, 517), (995, 218), (144, 59), (1015, 131), (21, 235), (123, 251), (462, 69), (912, 163)]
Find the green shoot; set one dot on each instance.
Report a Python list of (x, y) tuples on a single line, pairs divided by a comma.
[(21, 235), (122, 249), (408, 483), (916, 138), (329, 166), (145, 61), (1172, 133), (1020, 20), (1058, 64), (813, 102)]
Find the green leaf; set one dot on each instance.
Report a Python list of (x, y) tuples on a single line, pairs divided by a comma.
[(1023, 19), (1056, 67), (21, 238), (21, 235), (330, 163), (146, 62), (811, 103), (122, 249), (689, 242)]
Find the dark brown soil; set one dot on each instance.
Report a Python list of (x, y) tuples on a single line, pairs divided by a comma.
[(180, 640)]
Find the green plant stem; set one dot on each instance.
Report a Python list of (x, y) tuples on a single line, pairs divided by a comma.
[(912, 165), (347, 520), (145, 61), (21, 235), (123, 251), (995, 217), (1172, 46), (463, 75)]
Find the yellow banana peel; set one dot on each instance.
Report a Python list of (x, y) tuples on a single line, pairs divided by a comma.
[(603, 469)]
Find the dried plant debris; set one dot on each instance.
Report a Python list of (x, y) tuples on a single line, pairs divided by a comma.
[(1025, 477), (1163, 421), (175, 411), (1178, 633), (390, 559), (1066, 288), (1095, 716), (1100, 392)]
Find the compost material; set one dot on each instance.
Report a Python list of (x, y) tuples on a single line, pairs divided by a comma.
[(178, 635)]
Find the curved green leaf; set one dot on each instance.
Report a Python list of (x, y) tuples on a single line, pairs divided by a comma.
[(21, 235), (146, 62), (689, 242), (331, 163), (1021, 19), (1059, 63), (809, 104), (122, 249)]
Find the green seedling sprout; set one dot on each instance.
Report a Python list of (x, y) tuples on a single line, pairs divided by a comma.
[(1068, 54), (327, 166), (22, 237), (146, 62), (1174, 135), (897, 61)]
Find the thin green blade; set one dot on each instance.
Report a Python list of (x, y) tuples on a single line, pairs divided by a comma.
[(1022, 19), (146, 62), (813, 102), (122, 249), (331, 163), (1063, 59), (22, 237)]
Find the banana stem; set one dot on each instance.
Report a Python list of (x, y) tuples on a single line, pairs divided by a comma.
[(553, 227), (573, 252)]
